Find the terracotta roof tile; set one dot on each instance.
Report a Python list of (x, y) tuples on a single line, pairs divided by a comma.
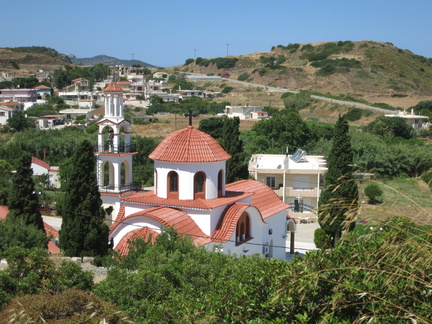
[(179, 220), (52, 248), (113, 87), (189, 145), (265, 199), (228, 221), (50, 231), (144, 233), (40, 163), (42, 87), (120, 216), (150, 198), (4, 210)]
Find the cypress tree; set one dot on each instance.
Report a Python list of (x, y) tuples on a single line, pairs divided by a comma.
[(23, 202), (236, 168), (83, 231), (339, 199)]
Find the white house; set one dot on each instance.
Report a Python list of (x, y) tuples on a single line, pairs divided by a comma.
[(41, 168), (245, 112), (415, 121), (190, 194), (297, 179), (5, 114)]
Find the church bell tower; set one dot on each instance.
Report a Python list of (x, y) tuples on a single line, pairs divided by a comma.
[(115, 150)]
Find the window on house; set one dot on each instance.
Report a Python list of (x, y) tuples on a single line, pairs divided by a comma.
[(173, 185), (199, 185), (2, 113), (243, 229), (271, 182)]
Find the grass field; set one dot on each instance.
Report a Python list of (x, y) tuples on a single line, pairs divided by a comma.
[(401, 197)]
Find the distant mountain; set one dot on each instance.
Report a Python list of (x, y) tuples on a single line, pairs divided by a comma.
[(107, 60)]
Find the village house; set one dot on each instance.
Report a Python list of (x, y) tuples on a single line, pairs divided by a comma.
[(78, 90), (245, 112), (42, 169), (415, 121), (19, 95), (5, 114), (43, 91), (297, 179), (190, 193), (50, 121)]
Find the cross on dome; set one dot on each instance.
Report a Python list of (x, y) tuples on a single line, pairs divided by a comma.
[(190, 115)]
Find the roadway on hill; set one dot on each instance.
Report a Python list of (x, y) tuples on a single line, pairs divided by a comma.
[(282, 90), (340, 102)]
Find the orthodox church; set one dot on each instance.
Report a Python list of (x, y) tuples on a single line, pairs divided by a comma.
[(190, 193)]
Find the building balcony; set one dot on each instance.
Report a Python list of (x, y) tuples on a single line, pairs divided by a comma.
[(134, 185), (115, 149), (294, 192)]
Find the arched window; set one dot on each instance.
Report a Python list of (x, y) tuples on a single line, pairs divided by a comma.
[(220, 183), (243, 229), (173, 185), (199, 185)]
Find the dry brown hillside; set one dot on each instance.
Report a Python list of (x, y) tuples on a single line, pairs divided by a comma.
[(373, 71)]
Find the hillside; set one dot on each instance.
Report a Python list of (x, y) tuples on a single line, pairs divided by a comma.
[(22, 61), (108, 60), (365, 70)]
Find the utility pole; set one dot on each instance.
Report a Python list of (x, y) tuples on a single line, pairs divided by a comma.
[(195, 54), (227, 48)]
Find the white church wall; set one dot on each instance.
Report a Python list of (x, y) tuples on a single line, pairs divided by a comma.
[(276, 225), (186, 173)]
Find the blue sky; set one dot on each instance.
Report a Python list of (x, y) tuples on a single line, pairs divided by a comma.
[(166, 33)]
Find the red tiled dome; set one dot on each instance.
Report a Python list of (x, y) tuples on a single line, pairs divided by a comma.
[(113, 87), (189, 145)]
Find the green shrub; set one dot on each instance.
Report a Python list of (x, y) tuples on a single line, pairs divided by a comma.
[(243, 77), (374, 192), (354, 114), (427, 177), (307, 48), (227, 89), (189, 61), (321, 239)]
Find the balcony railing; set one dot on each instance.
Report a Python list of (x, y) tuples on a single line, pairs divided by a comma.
[(134, 185), (115, 149)]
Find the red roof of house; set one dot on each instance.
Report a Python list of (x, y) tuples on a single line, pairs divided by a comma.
[(40, 163), (144, 233), (113, 87), (10, 103), (189, 145), (3, 212), (6, 108), (264, 198), (42, 87)]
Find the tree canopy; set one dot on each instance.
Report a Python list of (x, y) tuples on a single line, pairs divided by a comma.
[(339, 199), (236, 167), (23, 200), (83, 231)]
